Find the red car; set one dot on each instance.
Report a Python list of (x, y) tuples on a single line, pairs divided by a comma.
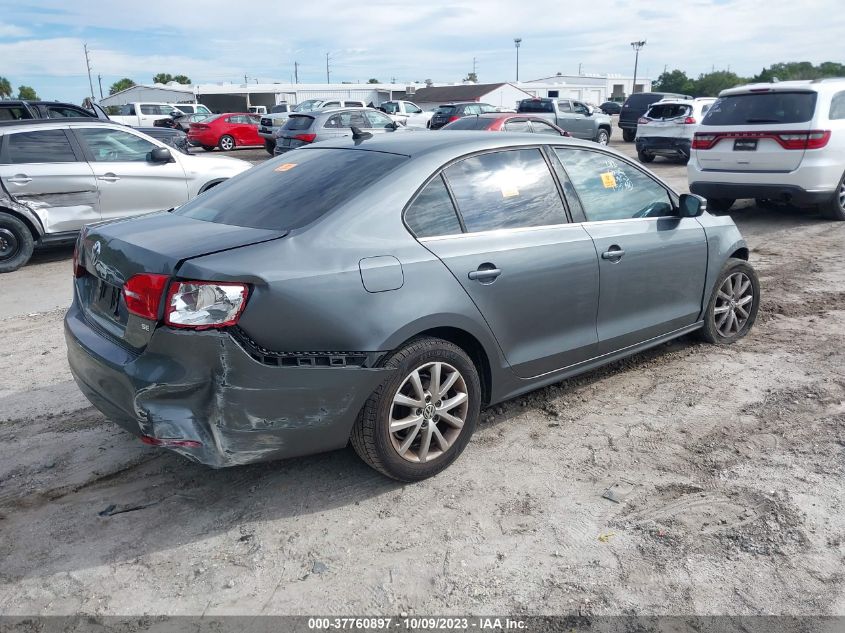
[(226, 131), (506, 122)]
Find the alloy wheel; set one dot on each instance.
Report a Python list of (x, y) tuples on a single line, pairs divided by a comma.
[(227, 143), (733, 304), (428, 412), (842, 195)]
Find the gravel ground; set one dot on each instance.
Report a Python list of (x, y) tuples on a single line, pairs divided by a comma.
[(727, 465)]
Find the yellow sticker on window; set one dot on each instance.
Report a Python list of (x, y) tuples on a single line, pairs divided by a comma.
[(285, 167), (509, 191), (608, 180)]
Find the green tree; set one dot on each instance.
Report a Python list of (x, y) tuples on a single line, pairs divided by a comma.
[(373, 80), (711, 84), (785, 71), (181, 79), (162, 78), (27, 92), (121, 84), (5, 88), (471, 77), (673, 81)]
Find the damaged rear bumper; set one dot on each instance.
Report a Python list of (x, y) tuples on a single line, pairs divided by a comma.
[(204, 387), (663, 145)]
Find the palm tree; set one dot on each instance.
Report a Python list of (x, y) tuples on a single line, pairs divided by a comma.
[(5, 88)]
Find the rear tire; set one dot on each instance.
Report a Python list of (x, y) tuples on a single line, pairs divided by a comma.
[(270, 146), (733, 305), (628, 135), (438, 422), (834, 209), (645, 157), (16, 243), (226, 143), (208, 148), (720, 205)]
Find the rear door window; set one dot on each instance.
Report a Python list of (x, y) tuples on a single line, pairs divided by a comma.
[(12, 113), (288, 195), (611, 189), (541, 127), (762, 109), (507, 189), (432, 212), (837, 106), (42, 146)]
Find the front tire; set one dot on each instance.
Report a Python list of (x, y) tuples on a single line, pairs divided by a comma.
[(603, 137), (410, 429), (226, 143), (834, 209), (208, 148), (628, 135), (733, 304), (16, 243), (645, 157)]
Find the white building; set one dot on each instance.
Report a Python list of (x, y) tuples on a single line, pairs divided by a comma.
[(157, 93), (592, 88)]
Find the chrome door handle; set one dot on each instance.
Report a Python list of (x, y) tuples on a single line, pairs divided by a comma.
[(109, 178), (484, 274), (20, 180), (614, 254)]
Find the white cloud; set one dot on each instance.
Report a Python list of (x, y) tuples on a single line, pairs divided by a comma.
[(10, 30)]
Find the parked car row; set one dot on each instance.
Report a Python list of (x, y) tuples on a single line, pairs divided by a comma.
[(573, 116)]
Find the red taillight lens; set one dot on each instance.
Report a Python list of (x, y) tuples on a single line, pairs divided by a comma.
[(814, 139), (453, 118), (704, 141), (690, 120), (201, 305), (642, 121), (305, 138), (143, 294), (78, 268)]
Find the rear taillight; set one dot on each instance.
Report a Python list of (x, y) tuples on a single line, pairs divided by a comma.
[(704, 141), (204, 304), (143, 294), (642, 121), (814, 139), (690, 120), (305, 138), (454, 117), (78, 268)]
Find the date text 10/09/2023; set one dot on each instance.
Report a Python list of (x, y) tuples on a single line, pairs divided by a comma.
[(417, 623)]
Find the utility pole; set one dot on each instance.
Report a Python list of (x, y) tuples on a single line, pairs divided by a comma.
[(296, 72), (100, 79), (88, 64), (475, 67), (636, 46), (328, 72), (579, 68), (246, 79), (517, 41)]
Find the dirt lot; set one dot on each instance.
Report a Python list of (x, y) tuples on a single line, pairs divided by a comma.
[(728, 462)]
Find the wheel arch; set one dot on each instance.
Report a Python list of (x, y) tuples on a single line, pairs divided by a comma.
[(211, 184), (740, 253), (31, 221)]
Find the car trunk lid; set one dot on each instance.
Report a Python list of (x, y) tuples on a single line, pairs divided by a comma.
[(157, 244)]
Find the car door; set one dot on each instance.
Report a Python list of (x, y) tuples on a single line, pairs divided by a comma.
[(47, 171), (582, 123), (532, 273), (652, 263), (128, 183)]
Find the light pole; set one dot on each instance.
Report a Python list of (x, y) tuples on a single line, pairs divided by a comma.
[(517, 41), (636, 46)]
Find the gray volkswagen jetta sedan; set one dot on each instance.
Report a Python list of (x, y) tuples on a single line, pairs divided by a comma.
[(384, 290)]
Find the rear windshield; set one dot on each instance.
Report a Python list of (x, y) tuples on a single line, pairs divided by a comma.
[(535, 105), (668, 111), (468, 123), (296, 123), (762, 108), (293, 190), (445, 110), (211, 118)]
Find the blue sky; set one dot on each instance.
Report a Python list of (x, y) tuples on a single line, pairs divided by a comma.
[(212, 40)]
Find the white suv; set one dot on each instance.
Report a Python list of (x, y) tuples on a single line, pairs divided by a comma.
[(667, 127), (782, 142)]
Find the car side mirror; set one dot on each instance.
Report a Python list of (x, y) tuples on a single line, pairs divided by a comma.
[(691, 205), (160, 155), (394, 125)]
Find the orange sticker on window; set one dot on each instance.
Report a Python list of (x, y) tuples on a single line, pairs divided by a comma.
[(285, 167), (608, 180)]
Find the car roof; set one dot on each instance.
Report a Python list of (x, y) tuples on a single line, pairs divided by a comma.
[(54, 122), (460, 142), (801, 85), (460, 103)]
